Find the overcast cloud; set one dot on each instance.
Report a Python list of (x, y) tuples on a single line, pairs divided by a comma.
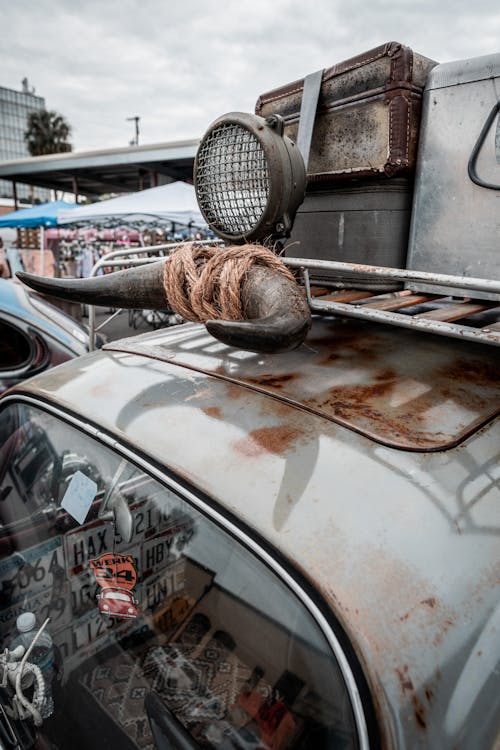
[(181, 65)]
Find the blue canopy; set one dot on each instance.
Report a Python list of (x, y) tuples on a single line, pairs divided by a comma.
[(44, 215)]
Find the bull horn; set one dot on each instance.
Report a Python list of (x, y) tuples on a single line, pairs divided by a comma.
[(139, 287), (277, 316)]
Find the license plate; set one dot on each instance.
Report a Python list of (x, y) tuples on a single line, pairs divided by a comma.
[(25, 573), (91, 634), (162, 550), (157, 588), (94, 539), (44, 604)]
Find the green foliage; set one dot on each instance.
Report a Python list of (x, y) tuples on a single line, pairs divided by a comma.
[(47, 133)]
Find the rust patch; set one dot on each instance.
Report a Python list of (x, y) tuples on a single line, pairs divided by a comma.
[(431, 602), (212, 411), (277, 440), (477, 372), (404, 680), (386, 374), (419, 712), (445, 626), (272, 381), (234, 391), (408, 690)]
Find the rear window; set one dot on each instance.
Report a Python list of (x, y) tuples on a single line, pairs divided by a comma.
[(173, 630)]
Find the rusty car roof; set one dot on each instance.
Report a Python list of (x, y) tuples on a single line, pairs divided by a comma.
[(421, 526), (400, 388)]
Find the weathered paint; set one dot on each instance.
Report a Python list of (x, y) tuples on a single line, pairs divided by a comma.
[(403, 546), (369, 378)]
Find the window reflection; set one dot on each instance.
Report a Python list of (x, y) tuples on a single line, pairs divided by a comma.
[(181, 620)]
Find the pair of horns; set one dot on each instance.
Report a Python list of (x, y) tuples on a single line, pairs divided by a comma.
[(276, 316)]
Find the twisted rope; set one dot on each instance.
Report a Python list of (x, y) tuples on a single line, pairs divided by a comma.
[(204, 283)]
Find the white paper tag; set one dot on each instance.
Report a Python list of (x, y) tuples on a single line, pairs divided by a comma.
[(79, 496)]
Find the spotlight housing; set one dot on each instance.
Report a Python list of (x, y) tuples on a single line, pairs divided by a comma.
[(249, 177)]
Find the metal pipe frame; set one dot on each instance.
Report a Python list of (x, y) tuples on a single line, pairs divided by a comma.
[(396, 274), (353, 310)]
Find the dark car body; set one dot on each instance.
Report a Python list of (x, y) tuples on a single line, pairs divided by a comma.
[(34, 335)]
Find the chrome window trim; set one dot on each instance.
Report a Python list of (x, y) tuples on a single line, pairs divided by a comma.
[(235, 531)]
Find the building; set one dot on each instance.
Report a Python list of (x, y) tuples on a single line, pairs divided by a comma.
[(14, 109)]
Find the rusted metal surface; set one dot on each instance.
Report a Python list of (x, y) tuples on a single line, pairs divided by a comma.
[(402, 546), (400, 389), (368, 113)]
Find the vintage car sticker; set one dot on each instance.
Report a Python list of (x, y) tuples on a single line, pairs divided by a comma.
[(114, 570), (116, 575), (79, 496), (84, 587), (26, 572)]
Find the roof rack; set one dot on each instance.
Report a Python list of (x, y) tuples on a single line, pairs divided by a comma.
[(429, 312)]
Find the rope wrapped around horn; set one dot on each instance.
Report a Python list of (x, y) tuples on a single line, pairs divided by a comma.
[(244, 294)]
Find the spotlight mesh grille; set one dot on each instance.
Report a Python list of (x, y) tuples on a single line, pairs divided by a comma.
[(232, 179)]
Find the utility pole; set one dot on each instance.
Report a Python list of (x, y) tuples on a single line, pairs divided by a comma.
[(135, 119)]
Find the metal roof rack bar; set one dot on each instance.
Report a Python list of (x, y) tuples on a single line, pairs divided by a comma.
[(380, 308), (397, 274)]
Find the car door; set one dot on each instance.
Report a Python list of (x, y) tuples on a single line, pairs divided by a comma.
[(173, 627)]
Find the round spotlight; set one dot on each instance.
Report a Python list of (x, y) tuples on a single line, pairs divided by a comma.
[(249, 178)]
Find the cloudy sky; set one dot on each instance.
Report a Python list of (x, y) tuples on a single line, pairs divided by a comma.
[(181, 64)]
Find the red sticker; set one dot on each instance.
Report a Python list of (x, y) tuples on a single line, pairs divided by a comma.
[(117, 576)]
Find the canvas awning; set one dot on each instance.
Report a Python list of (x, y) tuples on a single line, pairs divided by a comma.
[(43, 215), (173, 203)]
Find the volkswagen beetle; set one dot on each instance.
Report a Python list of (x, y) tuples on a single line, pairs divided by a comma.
[(328, 518), (305, 508)]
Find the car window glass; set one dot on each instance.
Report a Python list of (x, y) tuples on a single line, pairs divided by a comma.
[(180, 627), (15, 350)]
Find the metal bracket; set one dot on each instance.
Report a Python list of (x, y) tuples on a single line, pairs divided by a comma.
[(310, 96)]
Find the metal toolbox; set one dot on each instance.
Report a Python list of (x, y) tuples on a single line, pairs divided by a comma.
[(368, 114), (455, 225), (366, 221)]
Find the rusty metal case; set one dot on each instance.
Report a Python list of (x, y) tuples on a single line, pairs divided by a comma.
[(368, 114)]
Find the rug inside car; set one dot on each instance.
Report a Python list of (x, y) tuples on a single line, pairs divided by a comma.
[(211, 691)]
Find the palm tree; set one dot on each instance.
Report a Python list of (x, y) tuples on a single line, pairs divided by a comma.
[(47, 133)]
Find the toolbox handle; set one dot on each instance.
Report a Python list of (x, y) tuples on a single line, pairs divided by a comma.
[(471, 167)]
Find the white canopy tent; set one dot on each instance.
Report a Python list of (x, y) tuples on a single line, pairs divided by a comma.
[(175, 202)]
